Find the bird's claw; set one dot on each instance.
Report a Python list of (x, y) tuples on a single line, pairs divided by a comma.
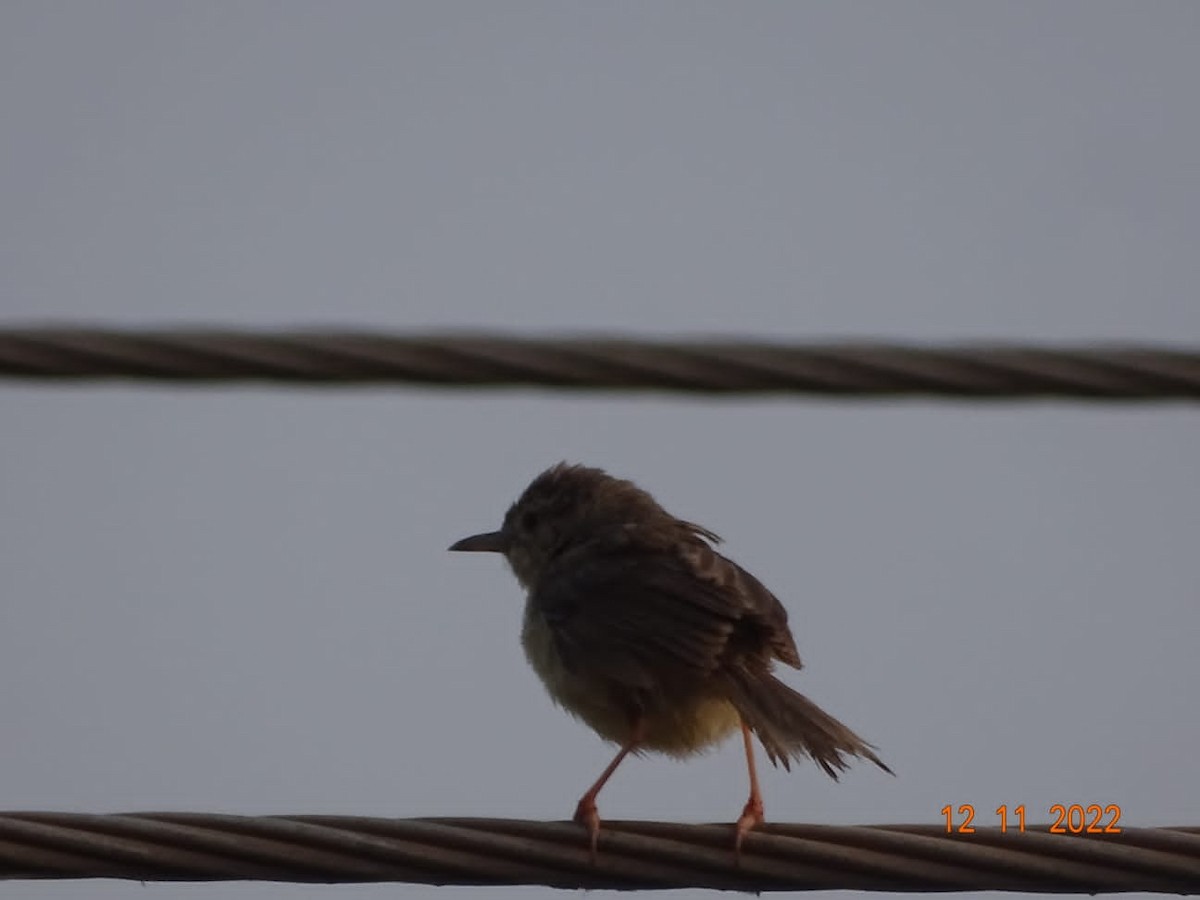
[(587, 816), (751, 818)]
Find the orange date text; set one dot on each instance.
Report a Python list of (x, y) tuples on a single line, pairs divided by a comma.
[(1073, 818)]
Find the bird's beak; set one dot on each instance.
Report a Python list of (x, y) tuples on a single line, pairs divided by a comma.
[(490, 542)]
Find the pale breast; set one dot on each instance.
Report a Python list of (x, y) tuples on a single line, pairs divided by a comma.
[(577, 696), (680, 727)]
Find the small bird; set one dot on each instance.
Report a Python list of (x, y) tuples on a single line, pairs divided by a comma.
[(637, 626)]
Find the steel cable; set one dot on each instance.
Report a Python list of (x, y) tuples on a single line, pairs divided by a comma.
[(1102, 372), (633, 855)]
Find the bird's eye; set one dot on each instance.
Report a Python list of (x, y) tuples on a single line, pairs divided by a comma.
[(529, 521)]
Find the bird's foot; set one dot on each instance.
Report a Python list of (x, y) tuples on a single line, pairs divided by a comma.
[(751, 817), (587, 816)]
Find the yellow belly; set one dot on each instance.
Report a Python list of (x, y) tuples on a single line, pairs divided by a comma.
[(686, 725)]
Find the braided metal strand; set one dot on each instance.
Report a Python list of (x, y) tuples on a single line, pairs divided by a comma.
[(1106, 372), (633, 855)]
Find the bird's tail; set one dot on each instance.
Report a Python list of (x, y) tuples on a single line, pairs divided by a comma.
[(791, 726)]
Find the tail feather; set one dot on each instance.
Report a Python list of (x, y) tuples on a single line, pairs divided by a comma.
[(790, 726)]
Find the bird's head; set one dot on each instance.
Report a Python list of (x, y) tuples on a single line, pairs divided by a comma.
[(564, 506)]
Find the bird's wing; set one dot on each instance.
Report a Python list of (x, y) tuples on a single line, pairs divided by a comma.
[(757, 604), (643, 618)]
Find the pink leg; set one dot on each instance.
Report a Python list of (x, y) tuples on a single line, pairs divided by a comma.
[(585, 812), (752, 814)]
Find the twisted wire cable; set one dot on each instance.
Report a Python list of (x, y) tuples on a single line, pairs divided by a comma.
[(1102, 372), (633, 855)]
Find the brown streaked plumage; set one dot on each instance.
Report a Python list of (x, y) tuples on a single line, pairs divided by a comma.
[(637, 626)]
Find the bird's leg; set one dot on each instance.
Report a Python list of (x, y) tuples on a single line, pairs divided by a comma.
[(752, 814), (585, 812)]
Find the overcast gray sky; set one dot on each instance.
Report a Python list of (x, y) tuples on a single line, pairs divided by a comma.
[(237, 600)]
